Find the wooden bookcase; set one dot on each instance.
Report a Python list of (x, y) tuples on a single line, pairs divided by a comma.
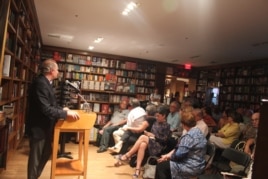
[(240, 85), (103, 79), (206, 81), (19, 63)]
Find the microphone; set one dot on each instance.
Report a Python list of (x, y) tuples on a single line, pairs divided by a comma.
[(73, 86)]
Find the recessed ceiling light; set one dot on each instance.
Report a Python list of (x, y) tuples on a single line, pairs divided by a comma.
[(131, 6), (91, 47)]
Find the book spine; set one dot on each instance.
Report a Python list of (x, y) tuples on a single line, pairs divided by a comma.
[(6, 66)]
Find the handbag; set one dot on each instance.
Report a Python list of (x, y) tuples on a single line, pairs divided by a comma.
[(150, 167)]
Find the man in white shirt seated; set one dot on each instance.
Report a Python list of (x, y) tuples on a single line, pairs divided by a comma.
[(135, 118)]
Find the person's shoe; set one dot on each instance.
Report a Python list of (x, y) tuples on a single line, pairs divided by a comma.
[(118, 164), (100, 150), (124, 161), (114, 149), (136, 174)]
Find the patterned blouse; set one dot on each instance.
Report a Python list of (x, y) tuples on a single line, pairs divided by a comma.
[(189, 156), (161, 130)]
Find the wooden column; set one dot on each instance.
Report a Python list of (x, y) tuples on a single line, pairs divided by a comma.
[(261, 156)]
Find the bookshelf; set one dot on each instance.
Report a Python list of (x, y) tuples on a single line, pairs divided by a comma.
[(19, 63), (240, 85), (103, 79)]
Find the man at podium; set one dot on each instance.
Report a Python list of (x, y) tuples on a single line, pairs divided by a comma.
[(43, 113)]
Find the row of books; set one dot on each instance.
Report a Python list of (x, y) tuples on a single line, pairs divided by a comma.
[(103, 108), (87, 69), (98, 61), (102, 71), (105, 98), (101, 77), (110, 86)]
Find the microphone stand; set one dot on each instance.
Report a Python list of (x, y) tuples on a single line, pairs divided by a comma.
[(86, 104)]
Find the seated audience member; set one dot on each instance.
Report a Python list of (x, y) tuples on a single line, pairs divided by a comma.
[(188, 157), (207, 117), (135, 119), (119, 118), (187, 108), (198, 115), (229, 133), (224, 119), (154, 141), (250, 133), (137, 131), (174, 116)]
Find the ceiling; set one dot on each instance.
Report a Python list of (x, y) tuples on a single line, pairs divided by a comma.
[(199, 32)]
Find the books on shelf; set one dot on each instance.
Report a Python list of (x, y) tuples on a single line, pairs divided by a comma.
[(96, 107), (102, 119), (91, 85), (109, 86), (105, 108), (57, 56), (110, 83), (111, 77), (93, 134), (6, 65), (8, 110), (102, 84)]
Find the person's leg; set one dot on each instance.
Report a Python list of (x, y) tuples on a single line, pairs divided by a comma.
[(36, 149), (218, 142), (118, 134), (47, 151), (124, 136), (140, 157), (163, 170), (135, 148), (104, 143), (117, 139)]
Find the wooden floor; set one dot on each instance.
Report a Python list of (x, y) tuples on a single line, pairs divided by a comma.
[(100, 165)]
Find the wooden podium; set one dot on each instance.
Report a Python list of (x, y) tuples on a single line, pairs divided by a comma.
[(73, 166)]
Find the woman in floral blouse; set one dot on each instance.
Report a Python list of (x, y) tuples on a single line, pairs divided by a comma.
[(188, 157)]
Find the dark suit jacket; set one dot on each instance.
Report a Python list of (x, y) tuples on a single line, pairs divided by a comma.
[(43, 111)]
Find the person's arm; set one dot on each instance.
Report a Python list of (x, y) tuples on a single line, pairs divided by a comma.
[(140, 128), (45, 98), (122, 122), (107, 124), (248, 144), (166, 156)]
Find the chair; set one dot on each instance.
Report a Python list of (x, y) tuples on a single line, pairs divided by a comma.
[(238, 145), (210, 153), (236, 156), (223, 167)]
